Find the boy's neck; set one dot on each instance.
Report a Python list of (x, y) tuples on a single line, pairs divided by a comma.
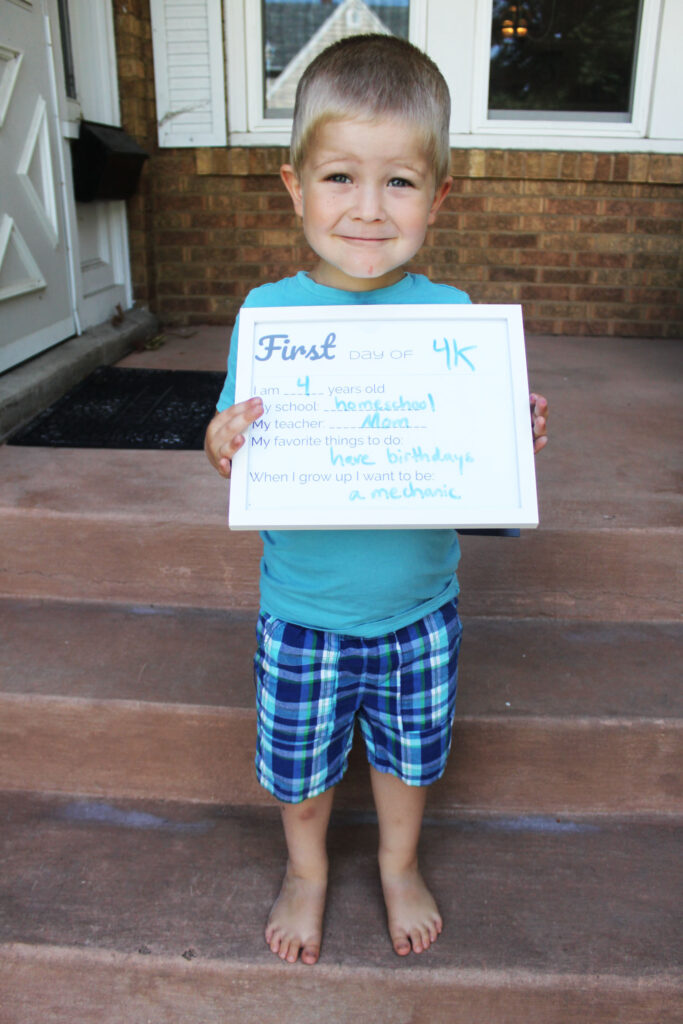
[(330, 277)]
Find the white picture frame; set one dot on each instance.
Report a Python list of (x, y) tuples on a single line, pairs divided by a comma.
[(386, 416)]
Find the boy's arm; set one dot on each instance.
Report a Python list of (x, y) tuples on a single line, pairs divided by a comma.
[(539, 421), (225, 433)]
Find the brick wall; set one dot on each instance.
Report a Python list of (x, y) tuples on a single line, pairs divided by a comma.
[(588, 243)]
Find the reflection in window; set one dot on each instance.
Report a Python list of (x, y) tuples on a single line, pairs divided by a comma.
[(294, 33), (67, 49), (563, 57)]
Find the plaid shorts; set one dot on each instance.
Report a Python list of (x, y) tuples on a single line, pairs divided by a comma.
[(312, 686)]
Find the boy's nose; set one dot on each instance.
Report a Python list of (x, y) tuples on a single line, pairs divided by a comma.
[(368, 203)]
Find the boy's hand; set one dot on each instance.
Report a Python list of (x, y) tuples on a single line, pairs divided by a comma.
[(539, 421), (224, 434)]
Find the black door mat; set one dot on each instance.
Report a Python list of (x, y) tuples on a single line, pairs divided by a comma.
[(129, 408)]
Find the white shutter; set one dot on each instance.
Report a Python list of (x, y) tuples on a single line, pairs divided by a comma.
[(189, 72)]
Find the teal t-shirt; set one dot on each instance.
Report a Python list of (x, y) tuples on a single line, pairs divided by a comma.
[(357, 582)]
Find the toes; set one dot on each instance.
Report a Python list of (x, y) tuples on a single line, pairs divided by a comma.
[(420, 941), (310, 954), (291, 952), (288, 949), (401, 943)]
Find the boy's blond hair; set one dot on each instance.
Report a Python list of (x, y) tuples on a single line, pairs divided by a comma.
[(373, 76)]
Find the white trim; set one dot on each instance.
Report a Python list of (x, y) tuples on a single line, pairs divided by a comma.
[(466, 140), (666, 108), (10, 235), (37, 146), (65, 184), (235, 50), (417, 22), (12, 59)]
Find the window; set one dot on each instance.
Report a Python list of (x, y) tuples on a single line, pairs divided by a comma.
[(67, 50), (294, 33), (560, 74), (279, 38), (563, 58)]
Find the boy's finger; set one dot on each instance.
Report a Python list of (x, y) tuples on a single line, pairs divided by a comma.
[(226, 451), (245, 412), (252, 408)]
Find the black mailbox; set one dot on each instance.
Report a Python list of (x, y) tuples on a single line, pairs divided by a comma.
[(106, 163)]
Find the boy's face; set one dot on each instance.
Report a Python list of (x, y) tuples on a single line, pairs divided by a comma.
[(366, 195)]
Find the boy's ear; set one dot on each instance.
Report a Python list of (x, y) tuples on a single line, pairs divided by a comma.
[(293, 186), (441, 193)]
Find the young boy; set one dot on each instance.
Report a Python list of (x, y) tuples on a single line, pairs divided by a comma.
[(369, 171)]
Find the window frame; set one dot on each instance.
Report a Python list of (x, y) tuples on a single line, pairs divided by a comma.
[(456, 34), (247, 124)]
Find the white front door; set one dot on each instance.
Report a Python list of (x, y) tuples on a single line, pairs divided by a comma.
[(37, 291)]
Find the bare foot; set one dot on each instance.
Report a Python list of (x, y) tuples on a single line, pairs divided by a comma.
[(412, 914), (296, 919)]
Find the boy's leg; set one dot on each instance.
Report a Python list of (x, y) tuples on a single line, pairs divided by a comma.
[(413, 917), (295, 922)]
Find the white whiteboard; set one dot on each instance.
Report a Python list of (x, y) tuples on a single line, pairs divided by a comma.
[(384, 416)]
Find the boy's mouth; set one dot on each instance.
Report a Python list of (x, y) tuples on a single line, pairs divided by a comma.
[(366, 239)]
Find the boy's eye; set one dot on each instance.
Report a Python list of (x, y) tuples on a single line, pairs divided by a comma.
[(401, 183), (339, 179)]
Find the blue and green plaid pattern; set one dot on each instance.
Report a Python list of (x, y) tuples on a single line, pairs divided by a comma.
[(312, 686)]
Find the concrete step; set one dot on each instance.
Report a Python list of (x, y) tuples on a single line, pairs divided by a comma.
[(148, 702), (150, 527), (155, 912)]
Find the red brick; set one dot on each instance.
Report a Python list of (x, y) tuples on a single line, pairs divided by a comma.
[(666, 168), (516, 204), (515, 240), (603, 259), (491, 222), (497, 292), (567, 206), (512, 274), (604, 225), (648, 296), (658, 226), (534, 325), (566, 275), (546, 292), (554, 188), (600, 294), (545, 258), (558, 309)]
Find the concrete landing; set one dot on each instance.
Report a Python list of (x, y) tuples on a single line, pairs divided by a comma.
[(573, 920), (28, 389)]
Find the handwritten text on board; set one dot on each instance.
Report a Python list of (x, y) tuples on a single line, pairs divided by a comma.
[(383, 417)]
